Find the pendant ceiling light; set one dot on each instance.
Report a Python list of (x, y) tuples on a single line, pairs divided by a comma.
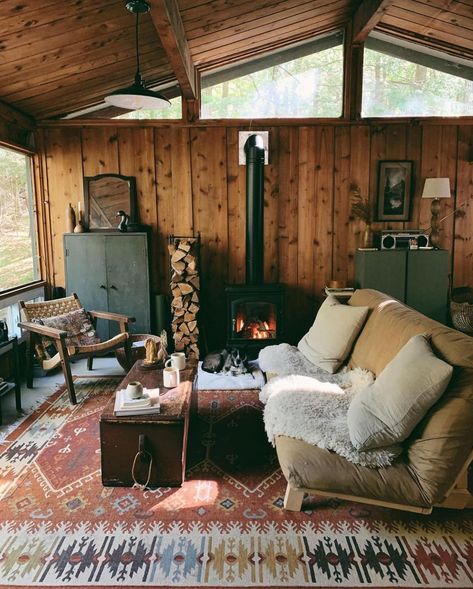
[(137, 95)]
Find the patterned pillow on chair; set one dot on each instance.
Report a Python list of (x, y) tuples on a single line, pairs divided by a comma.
[(79, 327)]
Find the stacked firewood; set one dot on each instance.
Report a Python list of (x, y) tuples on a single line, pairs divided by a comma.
[(185, 287)]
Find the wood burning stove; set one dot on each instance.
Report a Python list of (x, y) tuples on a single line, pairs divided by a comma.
[(255, 315)]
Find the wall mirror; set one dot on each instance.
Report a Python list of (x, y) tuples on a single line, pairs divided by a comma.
[(105, 195)]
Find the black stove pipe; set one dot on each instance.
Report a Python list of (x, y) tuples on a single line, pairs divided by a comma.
[(254, 150)]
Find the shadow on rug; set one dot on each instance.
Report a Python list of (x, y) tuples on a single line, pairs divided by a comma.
[(225, 527)]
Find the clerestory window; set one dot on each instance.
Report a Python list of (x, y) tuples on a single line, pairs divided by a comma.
[(300, 82), (401, 79)]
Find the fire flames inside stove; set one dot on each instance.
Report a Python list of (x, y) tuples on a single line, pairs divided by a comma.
[(255, 320)]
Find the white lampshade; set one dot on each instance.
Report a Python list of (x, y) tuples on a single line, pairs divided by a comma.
[(436, 188)]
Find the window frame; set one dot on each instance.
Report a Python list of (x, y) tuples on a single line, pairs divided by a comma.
[(323, 41), (426, 56), (40, 282)]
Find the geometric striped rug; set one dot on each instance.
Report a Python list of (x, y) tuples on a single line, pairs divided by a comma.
[(225, 527)]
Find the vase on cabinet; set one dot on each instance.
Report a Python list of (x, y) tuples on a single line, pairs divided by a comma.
[(70, 219)]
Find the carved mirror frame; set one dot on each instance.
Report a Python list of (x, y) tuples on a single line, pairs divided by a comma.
[(131, 209)]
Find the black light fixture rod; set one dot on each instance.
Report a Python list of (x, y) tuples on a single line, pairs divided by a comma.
[(136, 43)]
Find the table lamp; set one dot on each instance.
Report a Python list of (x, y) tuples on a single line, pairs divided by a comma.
[(435, 188)]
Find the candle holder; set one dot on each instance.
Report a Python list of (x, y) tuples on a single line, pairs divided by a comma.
[(80, 227)]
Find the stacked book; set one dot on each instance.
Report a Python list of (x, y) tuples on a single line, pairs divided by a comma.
[(147, 404)]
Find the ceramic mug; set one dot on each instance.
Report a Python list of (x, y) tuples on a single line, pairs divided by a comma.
[(177, 360), (134, 389), (171, 377)]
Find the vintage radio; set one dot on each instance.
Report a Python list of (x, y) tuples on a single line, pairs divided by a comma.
[(409, 239)]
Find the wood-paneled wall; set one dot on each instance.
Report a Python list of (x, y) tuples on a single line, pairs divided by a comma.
[(189, 181)]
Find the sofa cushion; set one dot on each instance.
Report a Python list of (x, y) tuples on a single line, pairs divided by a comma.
[(387, 411), (310, 467), (330, 339)]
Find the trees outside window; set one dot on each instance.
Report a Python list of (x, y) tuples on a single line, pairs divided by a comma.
[(394, 87), (18, 257), (309, 86)]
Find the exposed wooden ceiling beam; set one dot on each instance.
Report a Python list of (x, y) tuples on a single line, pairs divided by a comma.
[(168, 23), (366, 17), (15, 116)]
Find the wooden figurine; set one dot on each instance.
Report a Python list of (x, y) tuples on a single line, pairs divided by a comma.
[(152, 354)]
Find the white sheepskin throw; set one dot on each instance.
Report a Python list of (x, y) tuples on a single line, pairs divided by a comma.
[(316, 412), (286, 359)]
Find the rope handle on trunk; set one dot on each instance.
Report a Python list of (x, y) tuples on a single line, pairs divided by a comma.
[(144, 455)]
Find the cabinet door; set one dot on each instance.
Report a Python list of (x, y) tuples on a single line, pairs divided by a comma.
[(86, 274), (427, 282), (382, 270), (128, 280)]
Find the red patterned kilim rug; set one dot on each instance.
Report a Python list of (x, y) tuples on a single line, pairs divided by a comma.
[(225, 527)]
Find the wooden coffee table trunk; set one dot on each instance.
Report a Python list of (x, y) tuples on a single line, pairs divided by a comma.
[(165, 434)]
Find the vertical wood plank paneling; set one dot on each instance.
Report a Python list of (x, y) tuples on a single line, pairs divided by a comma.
[(288, 225), (271, 203), (136, 158), (430, 168), (209, 181), (189, 180), (414, 153), (323, 190), (343, 237), (306, 224), (100, 151), (181, 182), (439, 156), (236, 188), (64, 169), (360, 164), (463, 219), (448, 169), (165, 215)]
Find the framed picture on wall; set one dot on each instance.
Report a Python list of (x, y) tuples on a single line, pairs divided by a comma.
[(394, 190)]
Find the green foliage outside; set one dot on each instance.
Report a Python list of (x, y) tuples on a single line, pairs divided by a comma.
[(17, 261), (310, 86), (394, 87)]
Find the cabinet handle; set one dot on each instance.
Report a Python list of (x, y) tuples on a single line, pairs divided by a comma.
[(103, 286), (113, 287)]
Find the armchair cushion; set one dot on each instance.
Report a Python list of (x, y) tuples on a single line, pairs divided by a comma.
[(79, 328)]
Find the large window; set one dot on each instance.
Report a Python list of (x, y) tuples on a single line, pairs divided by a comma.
[(403, 82), (18, 257), (304, 81)]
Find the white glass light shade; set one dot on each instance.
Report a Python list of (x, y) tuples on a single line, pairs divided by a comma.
[(436, 188), (135, 98)]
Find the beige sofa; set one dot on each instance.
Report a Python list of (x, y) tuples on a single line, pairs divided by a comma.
[(433, 469)]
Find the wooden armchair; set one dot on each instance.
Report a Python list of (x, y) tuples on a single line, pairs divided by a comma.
[(65, 351)]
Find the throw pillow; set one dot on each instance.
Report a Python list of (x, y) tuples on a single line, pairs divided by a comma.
[(330, 339), (387, 411), (79, 327)]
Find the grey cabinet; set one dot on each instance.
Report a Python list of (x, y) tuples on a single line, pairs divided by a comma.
[(418, 278), (109, 272)]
